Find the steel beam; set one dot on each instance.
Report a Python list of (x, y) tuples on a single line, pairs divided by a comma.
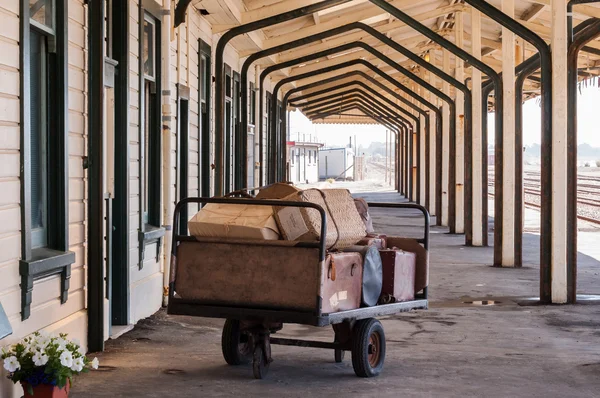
[(371, 31), (354, 93), (376, 83), (365, 99), (342, 48), (383, 121), (219, 71), (378, 71), (403, 137)]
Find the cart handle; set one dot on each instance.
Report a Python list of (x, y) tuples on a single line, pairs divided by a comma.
[(425, 239), (244, 201)]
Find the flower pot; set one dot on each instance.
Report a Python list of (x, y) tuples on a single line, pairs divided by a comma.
[(46, 391)]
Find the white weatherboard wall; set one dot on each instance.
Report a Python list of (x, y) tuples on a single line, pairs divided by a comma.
[(146, 284), (46, 310)]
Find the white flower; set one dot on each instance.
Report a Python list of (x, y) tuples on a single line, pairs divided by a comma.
[(40, 358), (12, 364), (62, 345), (43, 341), (77, 365), (66, 359), (95, 363)]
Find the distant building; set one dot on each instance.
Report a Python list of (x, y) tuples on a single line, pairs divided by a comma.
[(337, 163), (303, 161)]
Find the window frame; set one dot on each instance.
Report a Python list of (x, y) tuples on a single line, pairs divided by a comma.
[(150, 230), (204, 114), (54, 258)]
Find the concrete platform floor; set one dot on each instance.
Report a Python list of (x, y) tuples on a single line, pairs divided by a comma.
[(453, 349)]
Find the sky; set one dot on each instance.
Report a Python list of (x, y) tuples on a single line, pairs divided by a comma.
[(339, 134)]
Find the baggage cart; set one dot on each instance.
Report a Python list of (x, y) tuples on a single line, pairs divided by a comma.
[(250, 325)]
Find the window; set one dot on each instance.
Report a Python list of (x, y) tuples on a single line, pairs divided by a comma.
[(228, 152), (150, 230), (149, 49), (108, 28), (44, 151), (309, 156), (236, 156), (251, 141), (38, 139), (42, 14), (292, 155), (252, 104)]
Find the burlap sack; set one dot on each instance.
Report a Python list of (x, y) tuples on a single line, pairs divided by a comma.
[(276, 191), (344, 225)]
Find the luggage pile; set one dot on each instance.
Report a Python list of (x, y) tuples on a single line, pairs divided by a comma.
[(361, 269)]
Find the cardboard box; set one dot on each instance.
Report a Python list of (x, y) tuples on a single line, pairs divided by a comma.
[(234, 221)]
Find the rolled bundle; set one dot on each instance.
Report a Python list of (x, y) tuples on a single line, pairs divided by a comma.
[(372, 273)]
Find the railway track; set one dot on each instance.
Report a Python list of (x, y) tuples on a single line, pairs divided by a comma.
[(588, 194)]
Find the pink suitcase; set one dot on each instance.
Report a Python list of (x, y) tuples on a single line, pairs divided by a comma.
[(341, 282), (398, 276)]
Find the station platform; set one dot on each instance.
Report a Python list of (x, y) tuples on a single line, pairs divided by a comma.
[(477, 339)]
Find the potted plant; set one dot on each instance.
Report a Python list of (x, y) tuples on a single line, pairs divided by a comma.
[(45, 364)]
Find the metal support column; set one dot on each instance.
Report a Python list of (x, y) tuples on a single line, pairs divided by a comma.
[(506, 148), (457, 146), (560, 158), (446, 174), (95, 176), (476, 169)]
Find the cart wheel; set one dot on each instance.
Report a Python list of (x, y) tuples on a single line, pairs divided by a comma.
[(234, 344), (368, 348), (260, 367)]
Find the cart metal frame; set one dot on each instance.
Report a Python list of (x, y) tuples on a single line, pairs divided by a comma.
[(260, 322)]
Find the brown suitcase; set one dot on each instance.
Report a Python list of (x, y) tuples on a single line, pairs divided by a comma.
[(422, 268), (398, 275), (377, 240), (341, 282)]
